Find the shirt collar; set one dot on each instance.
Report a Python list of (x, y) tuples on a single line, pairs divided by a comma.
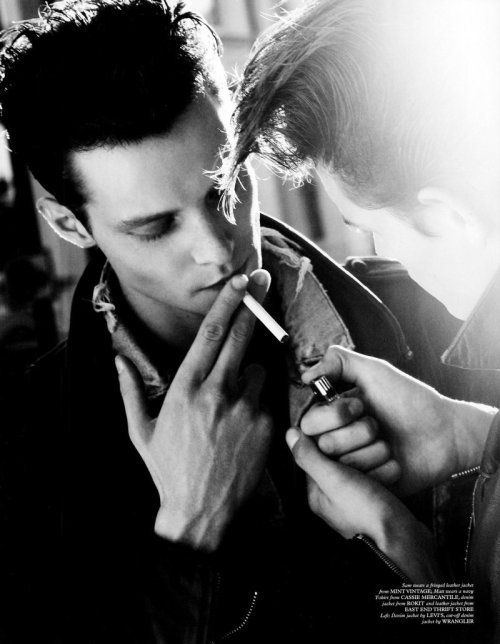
[(108, 300)]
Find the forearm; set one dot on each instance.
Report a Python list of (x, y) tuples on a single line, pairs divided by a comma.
[(410, 545), (406, 541)]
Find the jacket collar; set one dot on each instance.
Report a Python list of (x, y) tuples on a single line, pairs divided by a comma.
[(477, 344)]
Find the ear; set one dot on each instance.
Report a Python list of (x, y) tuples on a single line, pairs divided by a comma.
[(446, 213), (64, 222)]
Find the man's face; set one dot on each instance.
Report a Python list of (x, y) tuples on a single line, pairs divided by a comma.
[(153, 209), (439, 257)]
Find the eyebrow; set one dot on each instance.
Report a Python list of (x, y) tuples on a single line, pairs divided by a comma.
[(128, 225)]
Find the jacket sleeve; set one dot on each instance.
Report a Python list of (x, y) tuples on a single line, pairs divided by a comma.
[(484, 548)]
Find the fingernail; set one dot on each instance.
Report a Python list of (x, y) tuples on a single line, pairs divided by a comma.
[(119, 364), (260, 277), (239, 282), (306, 377), (292, 436)]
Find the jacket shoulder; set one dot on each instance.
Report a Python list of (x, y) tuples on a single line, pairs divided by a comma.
[(373, 327)]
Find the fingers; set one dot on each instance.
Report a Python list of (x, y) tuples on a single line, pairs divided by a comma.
[(388, 473), (259, 283), (369, 457), (205, 349), (341, 441), (330, 475), (132, 391), (325, 417), (227, 367), (322, 470)]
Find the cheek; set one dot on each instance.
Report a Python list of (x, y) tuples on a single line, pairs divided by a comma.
[(401, 246), (140, 266)]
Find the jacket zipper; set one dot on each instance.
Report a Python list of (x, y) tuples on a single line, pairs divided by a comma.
[(245, 619), (471, 523), (381, 555), (465, 473)]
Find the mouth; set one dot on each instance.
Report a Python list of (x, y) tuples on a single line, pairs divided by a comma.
[(220, 283)]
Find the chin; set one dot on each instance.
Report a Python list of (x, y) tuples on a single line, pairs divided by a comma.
[(205, 299)]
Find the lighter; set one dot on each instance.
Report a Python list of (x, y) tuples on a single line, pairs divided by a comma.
[(324, 389)]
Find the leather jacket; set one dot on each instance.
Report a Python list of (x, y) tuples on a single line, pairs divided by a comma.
[(84, 563)]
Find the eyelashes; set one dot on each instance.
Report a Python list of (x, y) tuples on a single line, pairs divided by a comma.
[(168, 223), (162, 228)]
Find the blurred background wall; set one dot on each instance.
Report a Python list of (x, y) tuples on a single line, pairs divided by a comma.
[(38, 271)]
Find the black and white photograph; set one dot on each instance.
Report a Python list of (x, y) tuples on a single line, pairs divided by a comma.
[(250, 321)]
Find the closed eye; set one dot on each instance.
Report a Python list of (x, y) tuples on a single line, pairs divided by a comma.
[(157, 229)]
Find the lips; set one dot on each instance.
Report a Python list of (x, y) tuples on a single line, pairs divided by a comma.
[(220, 283)]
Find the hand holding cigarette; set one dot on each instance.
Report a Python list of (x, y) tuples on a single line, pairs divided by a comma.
[(208, 447)]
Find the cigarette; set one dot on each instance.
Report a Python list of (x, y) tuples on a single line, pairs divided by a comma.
[(269, 322)]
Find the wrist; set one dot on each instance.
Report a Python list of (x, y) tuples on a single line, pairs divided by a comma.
[(199, 533), (410, 545), (472, 423)]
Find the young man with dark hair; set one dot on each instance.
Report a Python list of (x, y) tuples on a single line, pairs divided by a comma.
[(196, 527), (397, 106)]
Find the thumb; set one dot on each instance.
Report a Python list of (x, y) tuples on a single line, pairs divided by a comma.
[(134, 400), (343, 364), (322, 470)]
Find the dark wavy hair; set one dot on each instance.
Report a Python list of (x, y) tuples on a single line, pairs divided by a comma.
[(91, 73), (379, 91)]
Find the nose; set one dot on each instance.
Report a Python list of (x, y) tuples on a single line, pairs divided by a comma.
[(213, 242)]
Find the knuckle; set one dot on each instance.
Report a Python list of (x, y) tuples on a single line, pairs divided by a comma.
[(239, 333), (213, 331), (213, 393)]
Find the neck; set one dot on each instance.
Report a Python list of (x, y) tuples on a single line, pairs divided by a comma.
[(171, 329)]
